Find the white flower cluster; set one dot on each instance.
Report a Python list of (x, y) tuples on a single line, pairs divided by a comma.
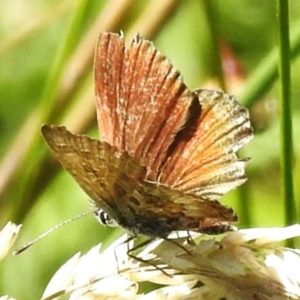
[(245, 264)]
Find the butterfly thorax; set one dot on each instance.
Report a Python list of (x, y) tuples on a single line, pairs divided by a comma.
[(151, 227)]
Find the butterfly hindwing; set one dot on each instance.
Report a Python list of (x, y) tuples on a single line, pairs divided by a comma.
[(206, 164)]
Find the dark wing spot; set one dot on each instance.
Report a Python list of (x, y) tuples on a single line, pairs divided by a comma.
[(133, 200)]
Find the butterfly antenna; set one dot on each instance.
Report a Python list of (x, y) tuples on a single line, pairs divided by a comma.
[(26, 246)]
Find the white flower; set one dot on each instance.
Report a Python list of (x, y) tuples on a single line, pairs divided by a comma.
[(8, 236), (6, 298)]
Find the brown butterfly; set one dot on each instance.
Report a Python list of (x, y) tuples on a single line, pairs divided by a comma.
[(166, 155)]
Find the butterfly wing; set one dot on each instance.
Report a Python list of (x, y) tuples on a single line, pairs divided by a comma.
[(115, 182), (205, 163), (163, 210), (100, 170), (141, 99)]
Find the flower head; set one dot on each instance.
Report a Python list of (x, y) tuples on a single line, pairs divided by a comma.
[(246, 264)]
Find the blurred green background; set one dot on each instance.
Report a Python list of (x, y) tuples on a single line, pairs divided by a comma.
[(46, 52)]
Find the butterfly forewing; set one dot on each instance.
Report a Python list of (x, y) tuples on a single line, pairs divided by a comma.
[(141, 100), (96, 166)]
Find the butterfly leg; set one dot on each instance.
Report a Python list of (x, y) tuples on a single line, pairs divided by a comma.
[(141, 245)]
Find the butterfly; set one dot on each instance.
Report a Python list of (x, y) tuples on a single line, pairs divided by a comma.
[(166, 154)]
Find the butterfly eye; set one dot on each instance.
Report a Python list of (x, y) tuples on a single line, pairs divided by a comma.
[(104, 218)]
